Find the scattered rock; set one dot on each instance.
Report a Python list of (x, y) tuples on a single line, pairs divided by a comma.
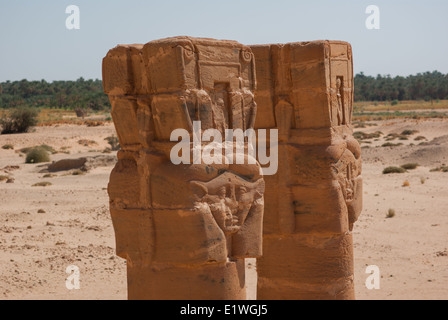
[(99, 161), (87, 143), (83, 164), (67, 164), (442, 253), (94, 228), (11, 168), (41, 211)]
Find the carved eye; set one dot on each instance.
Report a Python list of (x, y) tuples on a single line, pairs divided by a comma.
[(242, 190)]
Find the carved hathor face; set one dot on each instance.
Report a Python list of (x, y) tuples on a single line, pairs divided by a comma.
[(229, 198)]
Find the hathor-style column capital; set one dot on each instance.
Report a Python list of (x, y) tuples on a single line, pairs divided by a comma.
[(185, 228)]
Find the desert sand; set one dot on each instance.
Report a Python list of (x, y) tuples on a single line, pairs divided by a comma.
[(74, 225)]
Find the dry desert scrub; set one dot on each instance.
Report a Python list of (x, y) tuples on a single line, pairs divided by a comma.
[(409, 132), (366, 136), (87, 143), (390, 213), (410, 166), (113, 142), (390, 170), (4, 178), (42, 184), (390, 144), (8, 147), (18, 120), (440, 169)]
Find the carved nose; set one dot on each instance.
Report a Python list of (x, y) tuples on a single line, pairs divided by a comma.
[(232, 193)]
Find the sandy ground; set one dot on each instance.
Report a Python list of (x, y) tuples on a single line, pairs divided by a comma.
[(74, 226)]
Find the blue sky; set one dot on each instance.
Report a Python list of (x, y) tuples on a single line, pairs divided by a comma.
[(35, 43)]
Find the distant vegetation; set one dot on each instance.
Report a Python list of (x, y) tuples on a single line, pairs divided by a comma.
[(72, 95), (423, 86), (88, 94)]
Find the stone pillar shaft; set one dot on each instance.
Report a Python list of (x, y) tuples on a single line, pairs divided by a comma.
[(305, 90)]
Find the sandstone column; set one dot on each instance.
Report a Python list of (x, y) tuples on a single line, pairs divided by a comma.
[(183, 229), (305, 90)]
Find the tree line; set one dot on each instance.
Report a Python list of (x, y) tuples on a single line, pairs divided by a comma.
[(423, 86), (88, 94), (84, 94)]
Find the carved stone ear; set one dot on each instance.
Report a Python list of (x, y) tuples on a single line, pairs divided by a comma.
[(199, 189), (260, 186)]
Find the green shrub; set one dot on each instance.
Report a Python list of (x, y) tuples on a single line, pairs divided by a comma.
[(390, 170), (19, 120), (410, 166), (394, 102), (8, 147), (37, 155)]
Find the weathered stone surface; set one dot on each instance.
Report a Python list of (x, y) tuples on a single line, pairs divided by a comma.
[(305, 90), (184, 229)]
